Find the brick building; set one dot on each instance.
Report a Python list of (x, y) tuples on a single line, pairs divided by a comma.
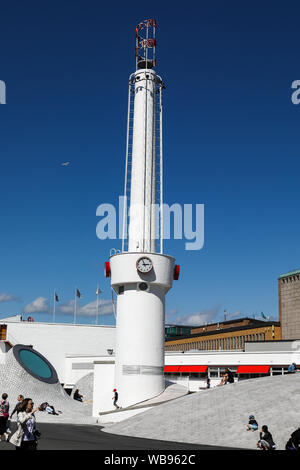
[(289, 304)]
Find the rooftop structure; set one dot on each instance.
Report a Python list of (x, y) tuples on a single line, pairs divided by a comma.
[(226, 335)]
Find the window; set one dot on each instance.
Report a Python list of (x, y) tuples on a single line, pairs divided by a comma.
[(35, 364), (213, 372), (277, 370)]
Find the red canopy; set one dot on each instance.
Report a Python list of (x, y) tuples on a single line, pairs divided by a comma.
[(192, 368), (171, 368), (253, 369), (185, 368)]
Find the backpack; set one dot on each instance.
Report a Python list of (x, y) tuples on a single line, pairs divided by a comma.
[(4, 408)]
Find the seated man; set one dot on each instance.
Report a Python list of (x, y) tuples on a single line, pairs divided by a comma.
[(292, 368), (77, 395)]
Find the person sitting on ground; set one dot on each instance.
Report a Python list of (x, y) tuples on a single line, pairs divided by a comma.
[(292, 368), (223, 380), (43, 406), (18, 404), (207, 384), (252, 424), (265, 439), (230, 377), (294, 441), (77, 395), (227, 377), (49, 408)]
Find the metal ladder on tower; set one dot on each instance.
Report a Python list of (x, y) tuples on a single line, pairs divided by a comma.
[(128, 165), (159, 166)]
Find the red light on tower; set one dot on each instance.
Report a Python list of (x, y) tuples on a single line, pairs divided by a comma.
[(176, 272), (107, 269)]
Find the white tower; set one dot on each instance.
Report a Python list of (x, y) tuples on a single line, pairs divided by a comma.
[(141, 275)]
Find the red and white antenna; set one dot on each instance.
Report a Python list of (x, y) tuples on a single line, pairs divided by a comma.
[(145, 44)]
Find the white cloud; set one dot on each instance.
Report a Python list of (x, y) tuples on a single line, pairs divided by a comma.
[(88, 310), (170, 314), (231, 316), (67, 308), (9, 298), (198, 318), (39, 305)]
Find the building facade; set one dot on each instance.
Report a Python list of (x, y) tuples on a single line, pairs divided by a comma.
[(289, 304), (229, 335), (58, 342), (259, 359)]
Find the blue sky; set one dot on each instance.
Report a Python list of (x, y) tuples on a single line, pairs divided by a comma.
[(231, 142)]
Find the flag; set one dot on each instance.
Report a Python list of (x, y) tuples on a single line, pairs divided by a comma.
[(56, 297), (98, 291), (78, 293), (263, 316)]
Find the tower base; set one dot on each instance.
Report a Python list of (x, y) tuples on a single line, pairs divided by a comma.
[(140, 326)]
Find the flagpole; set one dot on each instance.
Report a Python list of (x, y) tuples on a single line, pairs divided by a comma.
[(74, 321), (97, 306), (54, 301), (98, 291)]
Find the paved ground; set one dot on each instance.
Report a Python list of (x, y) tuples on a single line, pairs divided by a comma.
[(76, 437), (219, 416)]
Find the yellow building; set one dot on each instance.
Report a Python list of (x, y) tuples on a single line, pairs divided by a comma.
[(228, 335)]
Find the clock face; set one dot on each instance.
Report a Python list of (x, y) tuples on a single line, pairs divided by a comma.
[(144, 265)]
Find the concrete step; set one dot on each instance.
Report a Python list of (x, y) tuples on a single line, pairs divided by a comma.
[(133, 407)]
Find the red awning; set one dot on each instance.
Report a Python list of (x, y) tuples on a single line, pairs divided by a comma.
[(185, 368), (192, 368), (171, 368), (253, 369)]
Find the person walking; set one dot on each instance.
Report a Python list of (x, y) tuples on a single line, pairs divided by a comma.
[(4, 414), (25, 438), (19, 401), (115, 398)]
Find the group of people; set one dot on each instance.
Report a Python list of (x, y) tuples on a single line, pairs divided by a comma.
[(26, 435), (266, 441), (228, 376)]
